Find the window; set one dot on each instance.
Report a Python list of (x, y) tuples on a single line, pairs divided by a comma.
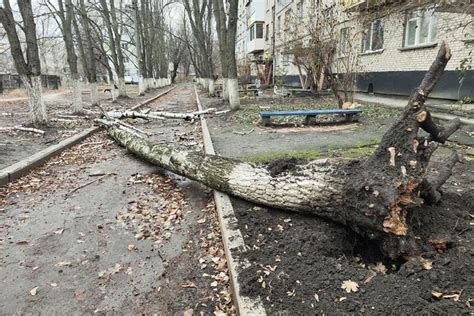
[(288, 17), (126, 59), (259, 30), (124, 45), (256, 31), (373, 37), (300, 9), (420, 27), (344, 41), (267, 30)]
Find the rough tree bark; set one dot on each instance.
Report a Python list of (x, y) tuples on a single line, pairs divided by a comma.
[(372, 196), (89, 54), (66, 14), (226, 25), (29, 69), (199, 14), (115, 38)]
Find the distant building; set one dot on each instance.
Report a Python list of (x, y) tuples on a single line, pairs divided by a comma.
[(395, 46)]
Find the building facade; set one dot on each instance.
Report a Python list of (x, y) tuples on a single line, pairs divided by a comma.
[(394, 43)]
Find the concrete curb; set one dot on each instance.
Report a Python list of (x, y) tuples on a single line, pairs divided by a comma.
[(231, 236), (22, 167)]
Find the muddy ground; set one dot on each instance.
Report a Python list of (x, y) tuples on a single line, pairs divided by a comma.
[(96, 230), (17, 145), (299, 263)]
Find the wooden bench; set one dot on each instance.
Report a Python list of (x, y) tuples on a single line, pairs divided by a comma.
[(349, 114), (251, 91)]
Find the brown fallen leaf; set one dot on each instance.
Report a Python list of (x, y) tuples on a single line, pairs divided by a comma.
[(80, 295), (188, 285), (350, 286), (440, 244), (379, 267), (22, 242), (426, 264), (436, 294), (34, 291)]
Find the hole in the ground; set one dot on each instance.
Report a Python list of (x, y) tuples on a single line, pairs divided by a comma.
[(369, 252)]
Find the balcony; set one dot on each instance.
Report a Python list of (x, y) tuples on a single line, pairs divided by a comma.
[(255, 11), (255, 46)]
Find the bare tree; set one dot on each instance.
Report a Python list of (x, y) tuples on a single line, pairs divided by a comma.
[(226, 26), (29, 69), (88, 53), (199, 14), (326, 52), (65, 15), (109, 15)]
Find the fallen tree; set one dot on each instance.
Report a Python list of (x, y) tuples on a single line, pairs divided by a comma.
[(373, 196), (160, 115)]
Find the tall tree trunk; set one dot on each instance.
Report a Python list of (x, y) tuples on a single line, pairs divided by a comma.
[(34, 90), (372, 196), (90, 55), (29, 69), (66, 15), (232, 83), (138, 45)]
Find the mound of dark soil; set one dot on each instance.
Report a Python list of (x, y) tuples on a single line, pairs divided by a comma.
[(299, 262)]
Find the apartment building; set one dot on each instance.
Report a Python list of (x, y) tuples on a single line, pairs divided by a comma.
[(395, 41)]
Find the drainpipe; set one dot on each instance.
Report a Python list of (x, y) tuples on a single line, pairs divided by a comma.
[(273, 43)]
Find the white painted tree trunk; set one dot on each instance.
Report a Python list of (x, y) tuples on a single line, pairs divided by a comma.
[(233, 90), (225, 90), (94, 94), (141, 86), (210, 85), (113, 92), (122, 87), (76, 88), (34, 90), (315, 188)]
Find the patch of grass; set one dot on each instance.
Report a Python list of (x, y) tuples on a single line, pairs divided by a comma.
[(249, 114), (270, 156), (362, 149), (379, 112)]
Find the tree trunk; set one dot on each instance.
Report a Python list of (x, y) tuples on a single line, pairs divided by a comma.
[(94, 94), (76, 88), (141, 85), (34, 91), (210, 86), (122, 88), (233, 91), (372, 196), (225, 89)]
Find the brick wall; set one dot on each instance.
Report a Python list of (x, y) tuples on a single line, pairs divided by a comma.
[(392, 58)]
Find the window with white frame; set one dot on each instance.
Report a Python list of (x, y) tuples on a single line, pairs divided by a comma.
[(420, 28), (300, 9), (344, 41), (256, 31), (373, 37)]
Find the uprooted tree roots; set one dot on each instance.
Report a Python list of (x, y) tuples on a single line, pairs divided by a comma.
[(372, 196)]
